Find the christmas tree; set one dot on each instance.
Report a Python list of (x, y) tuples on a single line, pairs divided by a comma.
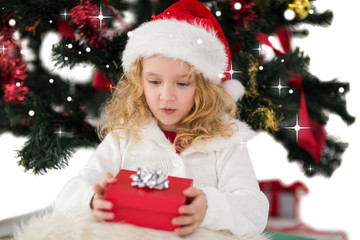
[(59, 112)]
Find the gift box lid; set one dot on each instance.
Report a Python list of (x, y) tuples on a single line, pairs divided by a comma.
[(168, 200)]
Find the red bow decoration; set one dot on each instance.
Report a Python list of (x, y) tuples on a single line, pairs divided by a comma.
[(313, 137)]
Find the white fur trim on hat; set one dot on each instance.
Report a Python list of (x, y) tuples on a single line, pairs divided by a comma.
[(234, 88), (179, 40)]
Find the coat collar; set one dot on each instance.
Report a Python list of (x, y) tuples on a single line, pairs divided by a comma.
[(244, 133)]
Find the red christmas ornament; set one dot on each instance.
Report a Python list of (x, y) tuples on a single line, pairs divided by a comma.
[(243, 12), (12, 67), (14, 93), (88, 19)]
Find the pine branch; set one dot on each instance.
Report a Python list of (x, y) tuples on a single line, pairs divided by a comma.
[(318, 94), (330, 159), (54, 136), (107, 60), (320, 19)]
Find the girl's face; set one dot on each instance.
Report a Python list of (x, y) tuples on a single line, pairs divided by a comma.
[(168, 91)]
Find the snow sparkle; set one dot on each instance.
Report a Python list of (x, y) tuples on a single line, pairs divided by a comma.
[(297, 128), (279, 87), (101, 17)]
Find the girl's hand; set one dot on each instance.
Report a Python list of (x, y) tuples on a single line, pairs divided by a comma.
[(192, 214), (98, 204)]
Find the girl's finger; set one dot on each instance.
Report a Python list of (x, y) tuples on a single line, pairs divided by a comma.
[(186, 230), (194, 207), (192, 192), (108, 178), (100, 204), (102, 215), (187, 209), (99, 190), (184, 220)]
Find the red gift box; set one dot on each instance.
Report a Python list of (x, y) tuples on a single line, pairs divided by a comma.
[(283, 199), (146, 207)]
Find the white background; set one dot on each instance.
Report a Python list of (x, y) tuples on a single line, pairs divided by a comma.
[(332, 204)]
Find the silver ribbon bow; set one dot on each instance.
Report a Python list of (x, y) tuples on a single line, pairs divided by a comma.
[(151, 179)]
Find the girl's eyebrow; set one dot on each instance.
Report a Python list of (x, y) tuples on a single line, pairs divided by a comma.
[(176, 76), (151, 74)]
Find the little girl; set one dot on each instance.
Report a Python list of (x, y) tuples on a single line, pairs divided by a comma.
[(174, 109)]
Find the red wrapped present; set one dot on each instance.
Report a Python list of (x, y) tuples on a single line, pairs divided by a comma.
[(284, 211), (146, 207), (283, 199)]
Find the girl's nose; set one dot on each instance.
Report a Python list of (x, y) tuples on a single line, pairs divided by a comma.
[(167, 93)]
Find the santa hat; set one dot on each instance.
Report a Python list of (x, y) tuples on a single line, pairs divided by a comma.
[(187, 30)]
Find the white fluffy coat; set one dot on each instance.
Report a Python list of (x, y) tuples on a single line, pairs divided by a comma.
[(220, 167)]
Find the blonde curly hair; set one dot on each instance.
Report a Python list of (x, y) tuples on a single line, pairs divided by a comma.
[(127, 109)]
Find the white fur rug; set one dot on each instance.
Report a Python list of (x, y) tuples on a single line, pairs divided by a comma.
[(80, 226)]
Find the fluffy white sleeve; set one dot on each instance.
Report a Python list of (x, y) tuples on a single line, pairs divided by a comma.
[(237, 204), (77, 193)]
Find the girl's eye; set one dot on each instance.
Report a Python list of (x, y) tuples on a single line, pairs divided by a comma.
[(155, 82), (183, 84)]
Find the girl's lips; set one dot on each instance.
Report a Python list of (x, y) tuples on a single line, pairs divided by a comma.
[(168, 110)]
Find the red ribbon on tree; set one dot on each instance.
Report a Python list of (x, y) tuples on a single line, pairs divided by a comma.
[(101, 82), (65, 29), (313, 137)]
